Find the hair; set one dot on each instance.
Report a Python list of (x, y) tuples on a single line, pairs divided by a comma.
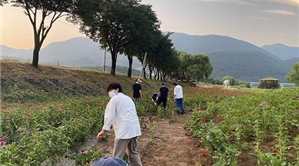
[(162, 83), (174, 84), (115, 86)]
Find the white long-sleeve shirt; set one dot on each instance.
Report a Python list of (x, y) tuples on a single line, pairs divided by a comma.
[(121, 112), (178, 92)]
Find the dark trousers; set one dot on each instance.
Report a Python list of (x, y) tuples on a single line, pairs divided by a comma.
[(160, 100)]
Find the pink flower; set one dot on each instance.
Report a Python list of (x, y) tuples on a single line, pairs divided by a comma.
[(263, 103), (28, 115), (2, 143), (3, 138)]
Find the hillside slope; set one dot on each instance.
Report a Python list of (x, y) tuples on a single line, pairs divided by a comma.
[(246, 65), (20, 82)]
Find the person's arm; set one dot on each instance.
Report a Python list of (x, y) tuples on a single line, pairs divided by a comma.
[(175, 92), (109, 117), (140, 91)]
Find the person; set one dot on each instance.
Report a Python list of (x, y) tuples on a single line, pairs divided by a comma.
[(109, 161), (137, 91), (155, 97), (163, 95), (121, 113), (178, 97)]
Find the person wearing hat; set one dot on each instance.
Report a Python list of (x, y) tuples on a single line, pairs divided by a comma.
[(109, 161), (137, 91), (121, 113)]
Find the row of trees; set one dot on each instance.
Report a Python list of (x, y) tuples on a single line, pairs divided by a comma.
[(121, 27)]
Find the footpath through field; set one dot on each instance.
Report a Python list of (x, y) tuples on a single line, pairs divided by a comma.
[(168, 146)]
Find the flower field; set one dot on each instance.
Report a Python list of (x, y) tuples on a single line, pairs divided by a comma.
[(257, 129), (45, 134)]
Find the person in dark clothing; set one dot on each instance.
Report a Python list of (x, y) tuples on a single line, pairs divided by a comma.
[(137, 93), (155, 97), (163, 95)]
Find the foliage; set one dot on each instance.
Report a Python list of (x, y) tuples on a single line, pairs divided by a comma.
[(196, 67), (229, 127), (46, 134), (293, 75)]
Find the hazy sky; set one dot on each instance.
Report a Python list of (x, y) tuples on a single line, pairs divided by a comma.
[(259, 22)]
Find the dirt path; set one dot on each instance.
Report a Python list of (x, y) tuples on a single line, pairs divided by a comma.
[(169, 146)]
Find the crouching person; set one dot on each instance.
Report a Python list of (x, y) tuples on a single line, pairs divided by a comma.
[(121, 113)]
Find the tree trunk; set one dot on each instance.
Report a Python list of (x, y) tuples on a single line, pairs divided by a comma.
[(113, 67), (130, 66), (150, 71), (35, 57), (144, 74)]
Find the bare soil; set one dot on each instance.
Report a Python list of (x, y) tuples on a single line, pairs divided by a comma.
[(168, 146)]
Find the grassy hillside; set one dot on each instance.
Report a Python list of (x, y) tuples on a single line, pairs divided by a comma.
[(20, 82)]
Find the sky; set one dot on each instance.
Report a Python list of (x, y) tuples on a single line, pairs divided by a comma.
[(260, 22)]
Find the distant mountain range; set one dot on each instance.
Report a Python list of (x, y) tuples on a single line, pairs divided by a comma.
[(282, 51), (229, 56)]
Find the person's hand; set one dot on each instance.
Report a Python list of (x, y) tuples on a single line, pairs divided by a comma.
[(101, 134)]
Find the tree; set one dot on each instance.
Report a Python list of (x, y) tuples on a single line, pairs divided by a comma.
[(232, 80), (141, 37), (52, 9), (197, 67), (293, 75), (107, 22)]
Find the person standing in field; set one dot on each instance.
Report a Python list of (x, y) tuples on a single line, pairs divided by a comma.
[(121, 113), (163, 95), (178, 97), (137, 91)]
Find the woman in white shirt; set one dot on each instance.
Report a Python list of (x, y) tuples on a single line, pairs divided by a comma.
[(121, 113)]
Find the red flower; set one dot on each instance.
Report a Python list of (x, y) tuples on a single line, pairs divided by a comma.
[(204, 154), (28, 115), (234, 130), (275, 150), (82, 150), (204, 121)]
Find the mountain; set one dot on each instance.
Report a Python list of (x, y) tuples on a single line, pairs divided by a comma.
[(233, 57), (78, 51), (20, 54), (289, 63), (206, 44), (282, 51), (246, 65), (228, 56)]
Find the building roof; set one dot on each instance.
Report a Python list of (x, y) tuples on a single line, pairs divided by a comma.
[(269, 79)]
